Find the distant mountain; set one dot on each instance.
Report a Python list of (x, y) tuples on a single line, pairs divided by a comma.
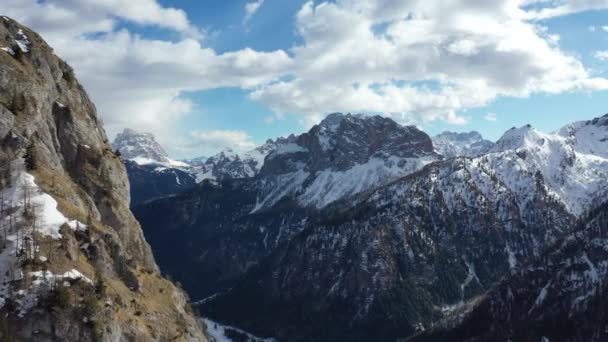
[(151, 172), (143, 149), (572, 161), (228, 164), (471, 144)]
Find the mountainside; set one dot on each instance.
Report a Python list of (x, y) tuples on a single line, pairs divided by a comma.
[(398, 260), (74, 265), (358, 222), (471, 144), (224, 228), (342, 156), (395, 261), (560, 296), (149, 181), (572, 162)]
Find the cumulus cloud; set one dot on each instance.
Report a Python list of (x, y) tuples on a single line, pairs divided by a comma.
[(251, 8), (416, 61), (413, 60), (137, 81)]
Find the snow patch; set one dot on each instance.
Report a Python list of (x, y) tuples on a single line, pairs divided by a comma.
[(23, 41), (8, 50), (218, 331)]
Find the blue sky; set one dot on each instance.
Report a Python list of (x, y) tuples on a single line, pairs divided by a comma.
[(272, 27), (202, 75)]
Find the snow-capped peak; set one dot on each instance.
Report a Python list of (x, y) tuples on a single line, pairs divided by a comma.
[(573, 162), (521, 137), (143, 149), (588, 137)]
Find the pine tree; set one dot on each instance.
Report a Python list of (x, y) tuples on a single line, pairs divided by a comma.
[(30, 159)]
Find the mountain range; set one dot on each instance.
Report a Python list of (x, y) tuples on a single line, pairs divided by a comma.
[(375, 227)]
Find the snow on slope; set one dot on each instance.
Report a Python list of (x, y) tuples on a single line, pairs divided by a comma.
[(219, 333), (450, 144), (24, 195), (573, 162)]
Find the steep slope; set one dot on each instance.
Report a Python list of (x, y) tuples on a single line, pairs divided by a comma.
[(561, 296), (573, 171), (397, 260), (75, 265), (224, 228), (471, 144), (151, 181)]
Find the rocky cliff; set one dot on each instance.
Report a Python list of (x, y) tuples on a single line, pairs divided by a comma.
[(75, 264)]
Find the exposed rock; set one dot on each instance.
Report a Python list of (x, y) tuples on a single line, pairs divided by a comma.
[(47, 120)]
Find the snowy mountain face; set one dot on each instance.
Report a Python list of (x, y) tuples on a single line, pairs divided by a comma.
[(227, 164), (573, 162), (140, 147), (450, 144), (342, 156)]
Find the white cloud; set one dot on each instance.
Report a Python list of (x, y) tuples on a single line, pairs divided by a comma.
[(413, 60), (561, 8), (602, 55), (208, 142), (251, 8), (490, 117), (605, 28), (136, 81), (420, 62), (591, 28)]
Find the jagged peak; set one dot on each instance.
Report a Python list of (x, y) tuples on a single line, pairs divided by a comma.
[(521, 137)]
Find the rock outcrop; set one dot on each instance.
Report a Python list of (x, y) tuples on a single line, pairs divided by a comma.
[(80, 268)]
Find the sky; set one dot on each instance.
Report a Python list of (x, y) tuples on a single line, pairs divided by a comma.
[(207, 74)]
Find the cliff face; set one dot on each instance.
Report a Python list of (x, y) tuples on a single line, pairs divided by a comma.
[(78, 266)]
